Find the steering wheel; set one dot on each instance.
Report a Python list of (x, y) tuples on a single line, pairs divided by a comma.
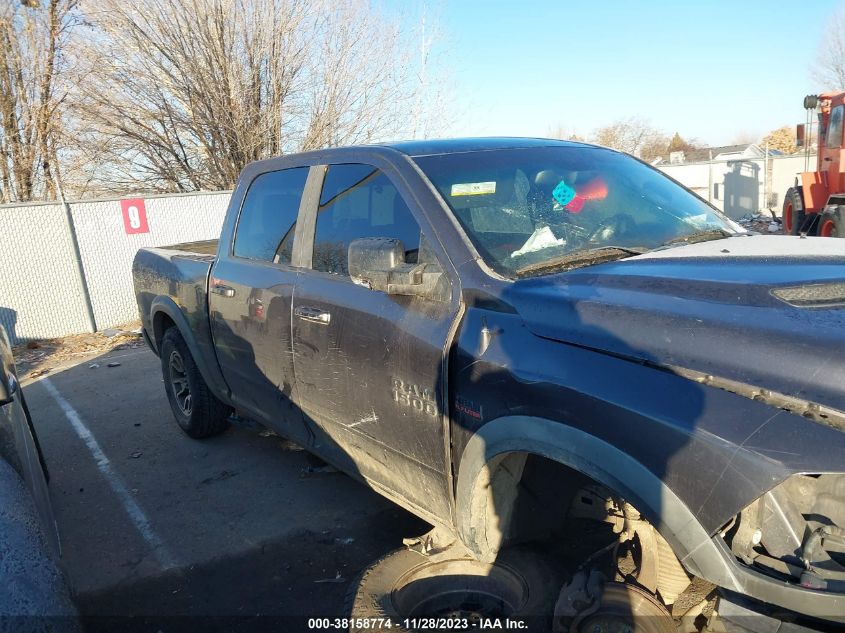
[(612, 228)]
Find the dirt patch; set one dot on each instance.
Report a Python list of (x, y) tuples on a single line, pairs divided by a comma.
[(37, 358)]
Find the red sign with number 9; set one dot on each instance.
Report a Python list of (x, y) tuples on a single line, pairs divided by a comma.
[(134, 216)]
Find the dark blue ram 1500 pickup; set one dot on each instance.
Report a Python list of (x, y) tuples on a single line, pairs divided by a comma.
[(529, 343)]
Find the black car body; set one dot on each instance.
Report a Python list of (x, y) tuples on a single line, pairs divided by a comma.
[(702, 380), (34, 594)]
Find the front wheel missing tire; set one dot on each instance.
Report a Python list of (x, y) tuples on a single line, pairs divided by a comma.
[(622, 608)]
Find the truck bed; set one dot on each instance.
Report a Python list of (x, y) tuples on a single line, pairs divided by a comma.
[(177, 274), (203, 247)]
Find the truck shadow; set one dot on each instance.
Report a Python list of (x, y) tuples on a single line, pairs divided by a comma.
[(266, 580), (273, 586)]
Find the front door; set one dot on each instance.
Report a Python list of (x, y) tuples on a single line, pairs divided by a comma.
[(369, 365), (250, 293)]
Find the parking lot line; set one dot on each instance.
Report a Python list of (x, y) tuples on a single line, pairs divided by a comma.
[(136, 514)]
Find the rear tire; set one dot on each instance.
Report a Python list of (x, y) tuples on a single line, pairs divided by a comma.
[(793, 212), (198, 412)]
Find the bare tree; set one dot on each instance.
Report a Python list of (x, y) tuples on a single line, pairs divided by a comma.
[(654, 147), (181, 94), (33, 36), (829, 67), (563, 133), (744, 137), (635, 136)]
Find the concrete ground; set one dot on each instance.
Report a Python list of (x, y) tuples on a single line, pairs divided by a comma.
[(232, 533)]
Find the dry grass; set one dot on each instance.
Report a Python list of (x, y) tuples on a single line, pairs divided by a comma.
[(36, 358)]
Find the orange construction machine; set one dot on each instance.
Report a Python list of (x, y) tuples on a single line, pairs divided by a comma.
[(816, 204)]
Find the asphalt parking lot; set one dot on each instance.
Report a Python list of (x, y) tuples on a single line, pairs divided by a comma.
[(162, 533)]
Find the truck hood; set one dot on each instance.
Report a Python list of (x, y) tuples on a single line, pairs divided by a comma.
[(767, 311)]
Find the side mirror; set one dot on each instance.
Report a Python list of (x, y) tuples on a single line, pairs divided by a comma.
[(8, 381), (799, 135), (379, 264), (8, 386)]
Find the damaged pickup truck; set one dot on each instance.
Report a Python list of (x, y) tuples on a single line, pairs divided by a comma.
[(529, 344)]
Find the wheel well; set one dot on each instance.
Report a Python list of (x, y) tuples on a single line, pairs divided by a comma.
[(161, 323), (531, 498), (579, 521)]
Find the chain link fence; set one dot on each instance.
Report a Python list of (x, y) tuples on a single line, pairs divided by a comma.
[(41, 292)]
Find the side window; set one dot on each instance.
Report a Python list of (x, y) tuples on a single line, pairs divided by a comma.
[(834, 130), (268, 216), (359, 201)]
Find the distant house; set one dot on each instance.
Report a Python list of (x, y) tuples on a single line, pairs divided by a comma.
[(745, 151)]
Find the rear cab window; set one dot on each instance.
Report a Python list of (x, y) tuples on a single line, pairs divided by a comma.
[(267, 220)]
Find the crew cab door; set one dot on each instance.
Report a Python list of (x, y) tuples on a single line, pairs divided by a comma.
[(369, 365), (249, 299)]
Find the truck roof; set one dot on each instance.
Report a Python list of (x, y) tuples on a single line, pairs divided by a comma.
[(453, 145), (417, 148)]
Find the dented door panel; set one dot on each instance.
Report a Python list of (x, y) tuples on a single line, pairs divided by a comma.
[(370, 381)]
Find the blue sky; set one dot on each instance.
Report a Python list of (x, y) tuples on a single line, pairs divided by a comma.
[(709, 70)]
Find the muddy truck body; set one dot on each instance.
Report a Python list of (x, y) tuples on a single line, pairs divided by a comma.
[(484, 329)]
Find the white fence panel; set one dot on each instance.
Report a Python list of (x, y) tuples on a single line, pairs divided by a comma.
[(40, 292), (107, 251)]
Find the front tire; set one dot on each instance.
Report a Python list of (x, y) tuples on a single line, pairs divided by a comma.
[(198, 412), (406, 586), (832, 224)]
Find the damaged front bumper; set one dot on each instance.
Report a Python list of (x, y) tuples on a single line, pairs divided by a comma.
[(740, 614), (787, 553)]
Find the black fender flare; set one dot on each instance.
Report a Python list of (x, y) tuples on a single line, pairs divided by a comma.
[(209, 369), (701, 554)]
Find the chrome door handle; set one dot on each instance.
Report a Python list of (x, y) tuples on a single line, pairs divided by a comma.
[(315, 315), (225, 291)]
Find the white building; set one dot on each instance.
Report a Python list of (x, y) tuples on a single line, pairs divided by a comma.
[(738, 179)]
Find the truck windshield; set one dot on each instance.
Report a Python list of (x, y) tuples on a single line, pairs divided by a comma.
[(540, 210)]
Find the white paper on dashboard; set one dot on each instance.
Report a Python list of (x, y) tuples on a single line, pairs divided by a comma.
[(541, 238)]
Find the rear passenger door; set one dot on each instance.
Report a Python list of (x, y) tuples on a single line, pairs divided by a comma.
[(250, 293), (368, 365)]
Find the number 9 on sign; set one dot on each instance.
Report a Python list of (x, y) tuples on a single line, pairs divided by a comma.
[(134, 216)]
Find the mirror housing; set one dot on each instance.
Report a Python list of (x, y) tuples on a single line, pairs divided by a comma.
[(379, 263), (8, 386), (8, 381), (371, 255)]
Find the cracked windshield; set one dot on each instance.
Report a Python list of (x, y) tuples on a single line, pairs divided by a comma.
[(534, 211)]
